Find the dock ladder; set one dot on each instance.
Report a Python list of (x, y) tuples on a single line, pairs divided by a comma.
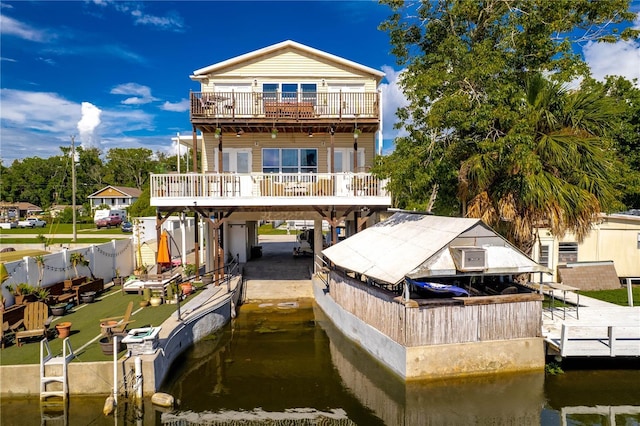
[(50, 370)]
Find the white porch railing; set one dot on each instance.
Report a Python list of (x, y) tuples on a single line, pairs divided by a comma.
[(259, 185)]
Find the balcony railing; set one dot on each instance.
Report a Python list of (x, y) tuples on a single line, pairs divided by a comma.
[(285, 105), (213, 187)]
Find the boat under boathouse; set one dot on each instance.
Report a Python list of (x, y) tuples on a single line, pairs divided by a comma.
[(393, 288)]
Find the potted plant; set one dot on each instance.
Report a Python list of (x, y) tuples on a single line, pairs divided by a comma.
[(141, 270), (189, 270), (146, 296), (106, 344), (274, 133), (217, 133), (77, 259), (186, 288), (118, 280), (171, 295), (41, 294), (64, 329), (156, 299), (88, 297), (22, 292), (356, 133), (59, 310)]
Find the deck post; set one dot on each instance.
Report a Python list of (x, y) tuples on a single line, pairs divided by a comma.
[(612, 339), (564, 339)]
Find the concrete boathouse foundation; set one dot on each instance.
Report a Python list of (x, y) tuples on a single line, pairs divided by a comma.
[(476, 347)]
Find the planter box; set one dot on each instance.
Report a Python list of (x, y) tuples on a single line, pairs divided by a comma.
[(142, 341)]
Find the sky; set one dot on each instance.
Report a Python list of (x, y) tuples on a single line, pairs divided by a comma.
[(115, 74)]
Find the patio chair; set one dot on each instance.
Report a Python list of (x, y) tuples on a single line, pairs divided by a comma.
[(120, 323), (36, 322)]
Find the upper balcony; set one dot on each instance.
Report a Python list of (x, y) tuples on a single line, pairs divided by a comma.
[(264, 110), (255, 190)]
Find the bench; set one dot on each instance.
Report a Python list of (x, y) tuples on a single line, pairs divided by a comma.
[(59, 294), (96, 285)]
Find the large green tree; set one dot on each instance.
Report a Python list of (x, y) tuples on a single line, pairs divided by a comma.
[(470, 71), (130, 167), (554, 167)]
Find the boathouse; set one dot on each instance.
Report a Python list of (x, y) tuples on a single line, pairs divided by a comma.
[(495, 327)]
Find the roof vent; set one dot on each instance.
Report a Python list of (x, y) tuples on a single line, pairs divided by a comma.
[(468, 259)]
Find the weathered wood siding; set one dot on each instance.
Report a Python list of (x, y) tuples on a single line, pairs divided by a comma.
[(443, 322)]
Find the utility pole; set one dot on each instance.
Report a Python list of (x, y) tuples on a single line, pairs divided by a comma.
[(73, 185)]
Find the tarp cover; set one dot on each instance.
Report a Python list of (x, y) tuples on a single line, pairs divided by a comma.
[(417, 245)]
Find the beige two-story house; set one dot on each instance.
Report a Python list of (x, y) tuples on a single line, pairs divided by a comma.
[(286, 132)]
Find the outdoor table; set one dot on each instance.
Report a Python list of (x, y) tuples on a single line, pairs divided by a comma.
[(564, 288), (107, 327)]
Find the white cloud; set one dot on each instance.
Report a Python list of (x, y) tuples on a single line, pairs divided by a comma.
[(621, 58), (9, 26), (36, 124), (88, 124), (392, 99), (183, 106), (142, 94)]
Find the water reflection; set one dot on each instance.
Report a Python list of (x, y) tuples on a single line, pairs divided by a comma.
[(499, 400), (282, 365), (282, 361)]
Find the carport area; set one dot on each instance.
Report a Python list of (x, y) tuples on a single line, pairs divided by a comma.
[(278, 274)]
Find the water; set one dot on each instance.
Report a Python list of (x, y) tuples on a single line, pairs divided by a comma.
[(287, 365)]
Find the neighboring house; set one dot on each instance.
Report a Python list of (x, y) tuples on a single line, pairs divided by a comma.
[(13, 211), (286, 132), (614, 238), (116, 197), (57, 209)]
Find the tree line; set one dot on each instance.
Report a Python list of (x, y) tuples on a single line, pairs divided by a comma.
[(46, 182)]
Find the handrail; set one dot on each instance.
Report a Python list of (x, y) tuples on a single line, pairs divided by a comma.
[(252, 185), (285, 105), (321, 274)]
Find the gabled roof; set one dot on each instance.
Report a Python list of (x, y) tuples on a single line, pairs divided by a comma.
[(21, 205), (113, 191), (418, 246), (288, 44)]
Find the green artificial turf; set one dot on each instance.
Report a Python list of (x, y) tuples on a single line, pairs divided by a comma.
[(85, 320)]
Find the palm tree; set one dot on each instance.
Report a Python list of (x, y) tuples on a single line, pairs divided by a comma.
[(552, 167)]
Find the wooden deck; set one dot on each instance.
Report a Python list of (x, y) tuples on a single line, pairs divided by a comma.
[(601, 330)]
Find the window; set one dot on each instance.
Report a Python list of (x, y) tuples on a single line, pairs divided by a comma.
[(290, 92), (289, 160), (567, 252), (544, 256)]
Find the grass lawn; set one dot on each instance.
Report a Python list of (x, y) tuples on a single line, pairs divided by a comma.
[(267, 229), (86, 326), (617, 296)]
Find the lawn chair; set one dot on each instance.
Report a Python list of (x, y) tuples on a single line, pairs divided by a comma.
[(117, 325), (5, 332), (36, 322)]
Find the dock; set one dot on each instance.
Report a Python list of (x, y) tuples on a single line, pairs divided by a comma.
[(591, 329)]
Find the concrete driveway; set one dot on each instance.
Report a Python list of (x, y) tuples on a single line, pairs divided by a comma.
[(278, 275)]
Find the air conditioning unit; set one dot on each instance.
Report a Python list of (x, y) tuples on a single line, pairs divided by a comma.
[(469, 259)]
